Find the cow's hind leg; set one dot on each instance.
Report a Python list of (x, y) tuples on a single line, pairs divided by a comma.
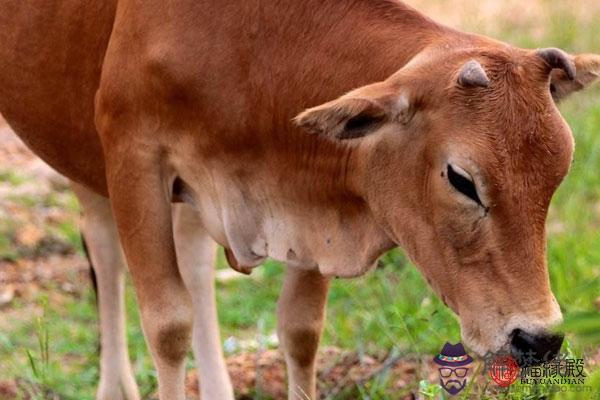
[(301, 312), (196, 260), (100, 233)]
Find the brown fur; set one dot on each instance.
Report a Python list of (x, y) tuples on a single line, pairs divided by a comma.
[(173, 342), (205, 93)]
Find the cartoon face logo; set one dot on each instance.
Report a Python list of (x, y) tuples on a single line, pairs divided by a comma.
[(453, 361)]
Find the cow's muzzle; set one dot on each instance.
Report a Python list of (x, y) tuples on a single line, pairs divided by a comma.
[(530, 350)]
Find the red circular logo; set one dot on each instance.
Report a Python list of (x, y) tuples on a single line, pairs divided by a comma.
[(504, 370)]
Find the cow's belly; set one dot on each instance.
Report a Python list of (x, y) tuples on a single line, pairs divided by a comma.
[(316, 240), (255, 221)]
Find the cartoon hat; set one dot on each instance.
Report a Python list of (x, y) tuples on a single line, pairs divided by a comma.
[(453, 355)]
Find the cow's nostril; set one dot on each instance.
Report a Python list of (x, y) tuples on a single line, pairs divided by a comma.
[(531, 350)]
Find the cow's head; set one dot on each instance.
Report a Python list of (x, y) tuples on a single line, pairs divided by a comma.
[(459, 156)]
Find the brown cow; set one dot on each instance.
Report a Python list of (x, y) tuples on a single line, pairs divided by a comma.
[(451, 151)]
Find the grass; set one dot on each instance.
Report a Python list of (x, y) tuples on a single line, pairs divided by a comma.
[(12, 177), (390, 308), (57, 235), (7, 250)]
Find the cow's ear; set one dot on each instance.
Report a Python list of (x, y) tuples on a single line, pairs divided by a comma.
[(345, 118), (354, 115), (587, 71)]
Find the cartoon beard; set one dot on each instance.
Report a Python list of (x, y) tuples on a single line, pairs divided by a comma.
[(453, 386)]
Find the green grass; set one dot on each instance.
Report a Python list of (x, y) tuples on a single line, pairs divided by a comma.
[(7, 250), (390, 308), (59, 235), (12, 178)]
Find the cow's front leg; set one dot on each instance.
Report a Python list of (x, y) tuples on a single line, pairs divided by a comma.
[(301, 312), (196, 253), (100, 233), (140, 190)]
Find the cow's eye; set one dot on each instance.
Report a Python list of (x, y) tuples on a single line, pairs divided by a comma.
[(463, 182)]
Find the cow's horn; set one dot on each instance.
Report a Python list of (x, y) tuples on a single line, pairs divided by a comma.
[(472, 74), (558, 59)]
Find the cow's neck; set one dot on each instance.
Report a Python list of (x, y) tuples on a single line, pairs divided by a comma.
[(267, 189)]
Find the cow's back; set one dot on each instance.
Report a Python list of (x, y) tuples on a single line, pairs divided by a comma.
[(208, 61), (51, 56)]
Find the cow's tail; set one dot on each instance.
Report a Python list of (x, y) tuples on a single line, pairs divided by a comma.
[(92, 276), (91, 266)]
